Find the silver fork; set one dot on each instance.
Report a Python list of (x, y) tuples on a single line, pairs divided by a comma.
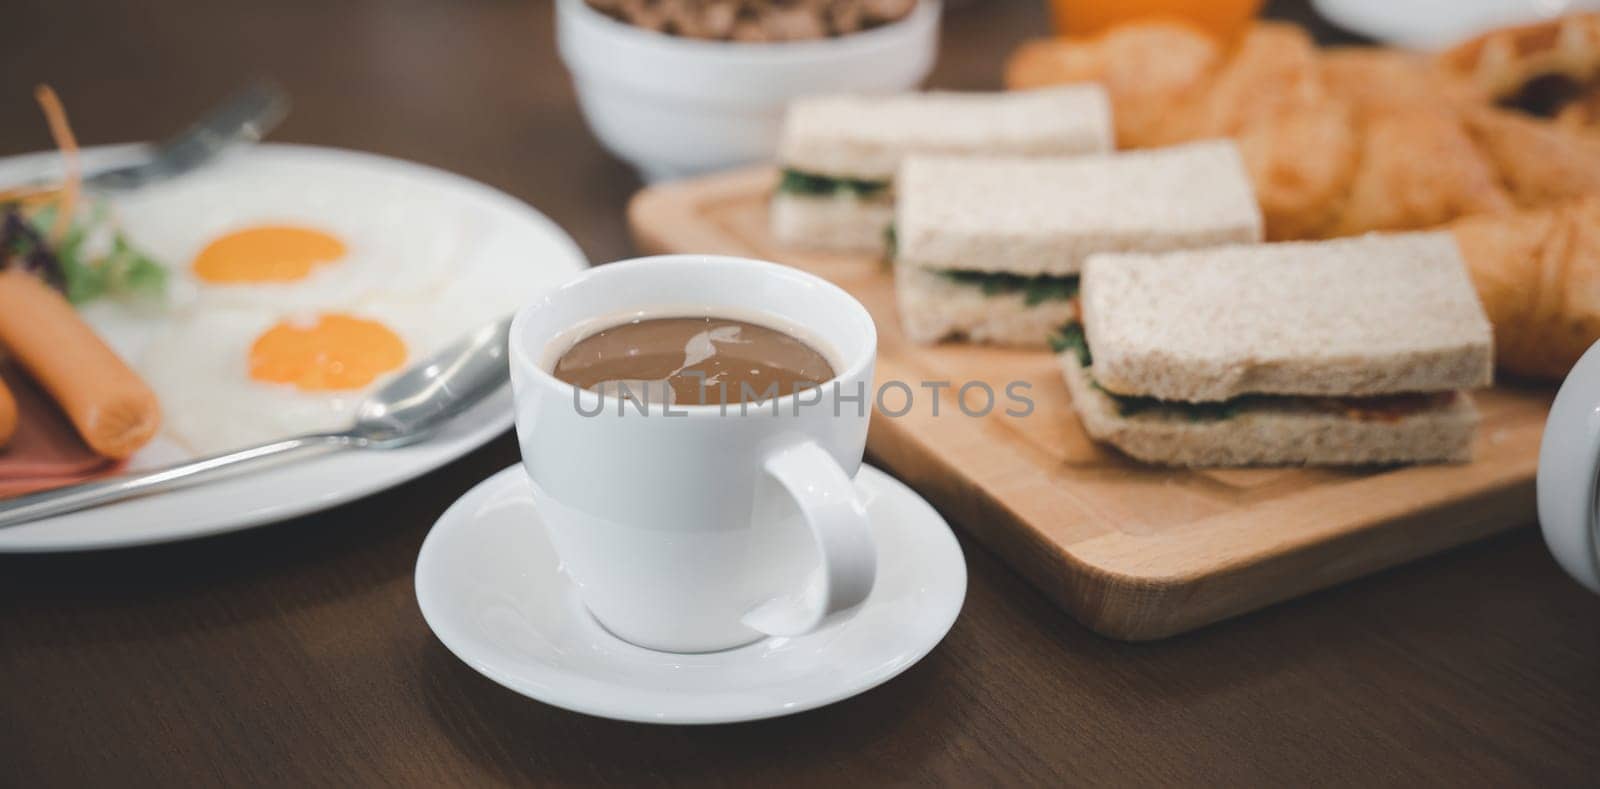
[(244, 117)]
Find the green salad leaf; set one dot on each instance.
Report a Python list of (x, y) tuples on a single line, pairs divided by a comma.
[(122, 272)]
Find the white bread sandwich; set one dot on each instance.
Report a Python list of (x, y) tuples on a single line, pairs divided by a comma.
[(1346, 352), (839, 153), (989, 248)]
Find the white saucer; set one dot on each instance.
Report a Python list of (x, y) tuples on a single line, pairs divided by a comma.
[(491, 588)]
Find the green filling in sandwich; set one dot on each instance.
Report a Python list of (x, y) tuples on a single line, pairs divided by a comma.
[(1035, 290), (795, 182), (1071, 338)]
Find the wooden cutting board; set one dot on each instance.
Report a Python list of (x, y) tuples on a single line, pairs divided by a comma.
[(1134, 552)]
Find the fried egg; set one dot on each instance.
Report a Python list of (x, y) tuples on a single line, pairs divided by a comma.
[(284, 246), (300, 265), (334, 353), (229, 378), (266, 253)]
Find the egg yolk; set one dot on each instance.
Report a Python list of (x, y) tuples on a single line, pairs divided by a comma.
[(270, 253), (336, 352)]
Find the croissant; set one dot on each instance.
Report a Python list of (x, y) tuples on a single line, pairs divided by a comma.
[(1503, 63), (1537, 273), (1539, 162), (1151, 71), (1582, 115)]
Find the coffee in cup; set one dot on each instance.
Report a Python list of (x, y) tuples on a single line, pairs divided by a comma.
[(697, 360)]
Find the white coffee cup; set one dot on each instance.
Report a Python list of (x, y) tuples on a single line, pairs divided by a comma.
[(1569, 461), (698, 528)]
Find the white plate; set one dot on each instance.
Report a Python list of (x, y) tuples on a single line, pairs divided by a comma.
[(491, 588), (506, 236), (1436, 24)]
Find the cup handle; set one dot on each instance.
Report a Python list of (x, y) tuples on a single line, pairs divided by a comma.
[(1569, 468), (827, 500)]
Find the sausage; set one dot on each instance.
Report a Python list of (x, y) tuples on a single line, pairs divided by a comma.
[(113, 409), (8, 415)]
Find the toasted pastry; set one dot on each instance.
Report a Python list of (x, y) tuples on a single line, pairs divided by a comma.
[(1417, 169), (1539, 161), (1377, 80), (1274, 69), (1153, 73), (1301, 196), (1537, 273), (1582, 114), (1502, 62)]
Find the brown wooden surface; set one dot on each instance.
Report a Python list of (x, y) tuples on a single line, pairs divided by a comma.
[(294, 654), (1133, 551)]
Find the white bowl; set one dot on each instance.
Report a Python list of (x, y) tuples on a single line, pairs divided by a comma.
[(676, 106)]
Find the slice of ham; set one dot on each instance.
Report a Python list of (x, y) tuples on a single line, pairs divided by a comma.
[(46, 451)]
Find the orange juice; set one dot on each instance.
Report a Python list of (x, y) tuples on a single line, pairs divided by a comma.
[(1221, 18)]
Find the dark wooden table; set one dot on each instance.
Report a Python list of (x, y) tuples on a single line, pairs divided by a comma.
[(295, 653)]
